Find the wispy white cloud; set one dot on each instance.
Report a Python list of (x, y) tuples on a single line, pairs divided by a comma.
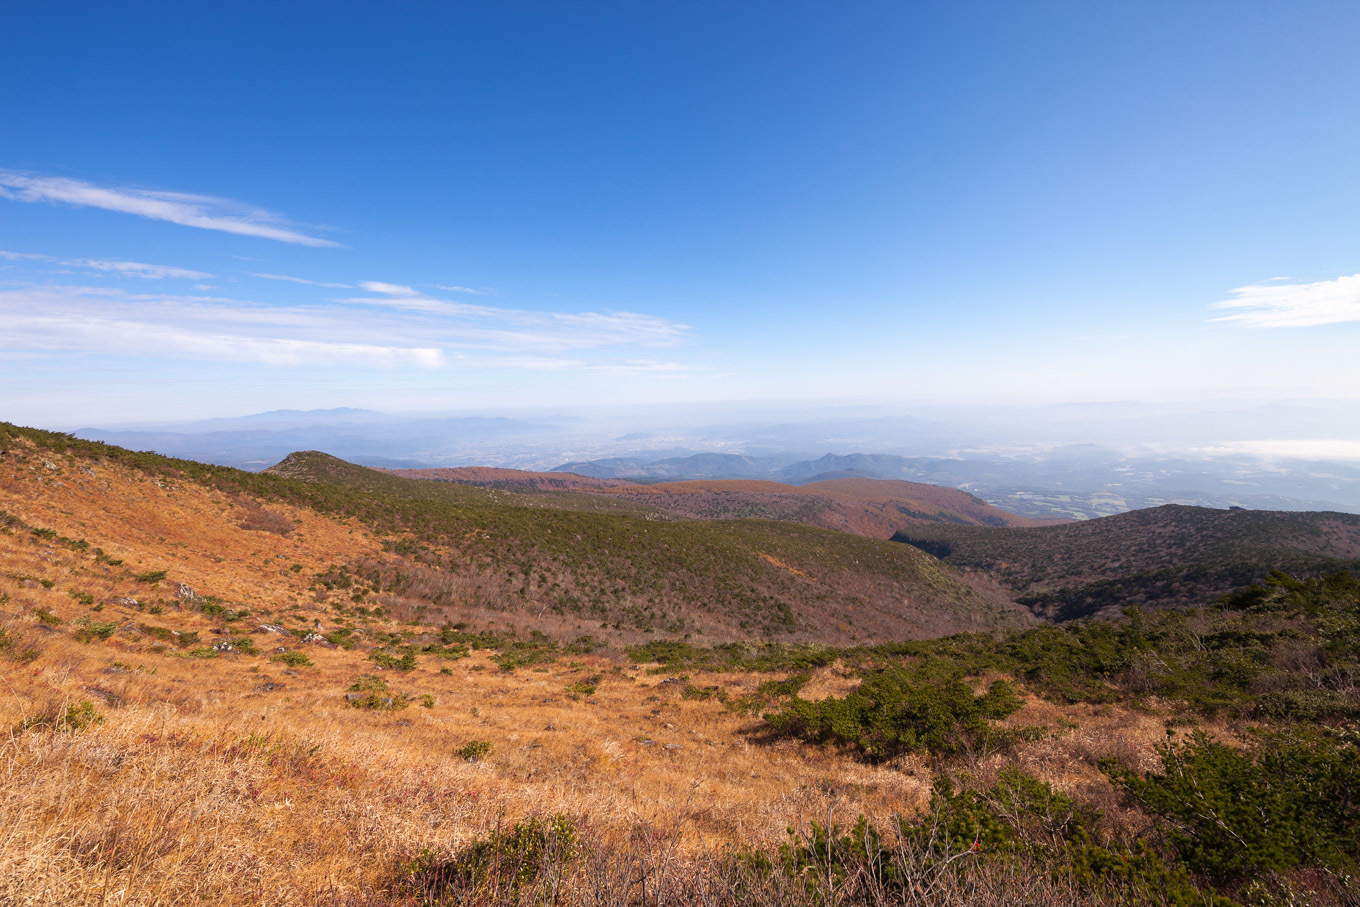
[(494, 327), (387, 289), (440, 286), (313, 283), (371, 331), (1294, 305), (111, 321), (138, 269), (181, 208), (125, 268)]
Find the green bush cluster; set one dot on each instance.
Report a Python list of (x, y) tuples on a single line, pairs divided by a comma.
[(76, 716), (505, 861), (474, 750), (371, 692), (386, 660), (87, 630), (1292, 802), (896, 710)]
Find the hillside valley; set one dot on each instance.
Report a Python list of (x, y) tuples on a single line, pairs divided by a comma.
[(1168, 556)]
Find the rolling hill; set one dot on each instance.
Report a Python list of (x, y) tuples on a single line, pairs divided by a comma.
[(1169, 556), (870, 507), (565, 563), (331, 685)]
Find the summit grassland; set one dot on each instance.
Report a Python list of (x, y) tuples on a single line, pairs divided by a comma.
[(208, 698)]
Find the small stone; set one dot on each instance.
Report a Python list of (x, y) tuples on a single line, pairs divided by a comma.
[(673, 746), (272, 628), (185, 592)]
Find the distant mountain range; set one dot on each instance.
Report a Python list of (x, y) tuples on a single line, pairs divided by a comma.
[(1074, 482), (1029, 476)]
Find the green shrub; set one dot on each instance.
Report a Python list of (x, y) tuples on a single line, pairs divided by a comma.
[(371, 692), (506, 861), (895, 711), (768, 693), (1292, 803), (78, 716), (45, 616), (151, 576), (583, 688), (703, 694), (200, 652), (342, 637), (294, 659), (474, 750), (407, 661), (89, 630), (523, 653), (369, 683)]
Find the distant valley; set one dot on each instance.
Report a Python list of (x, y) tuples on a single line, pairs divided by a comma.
[(1019, 473)]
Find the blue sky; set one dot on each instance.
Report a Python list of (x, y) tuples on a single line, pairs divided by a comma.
[(501, 205)]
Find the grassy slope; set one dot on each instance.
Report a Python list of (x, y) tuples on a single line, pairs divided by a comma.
[(475, 553), (142, 765), (1163, 556)]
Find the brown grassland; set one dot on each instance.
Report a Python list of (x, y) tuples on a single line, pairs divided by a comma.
[(159, 752)]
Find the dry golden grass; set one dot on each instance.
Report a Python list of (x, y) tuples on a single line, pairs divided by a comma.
[(237, 779)]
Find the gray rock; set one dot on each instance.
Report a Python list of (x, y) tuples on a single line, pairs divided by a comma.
[(185, 592)]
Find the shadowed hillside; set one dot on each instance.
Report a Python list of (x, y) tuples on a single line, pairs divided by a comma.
[(1167, 556)]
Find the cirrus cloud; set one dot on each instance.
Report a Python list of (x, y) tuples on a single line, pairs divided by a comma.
[(125, 268), (200, 211)]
